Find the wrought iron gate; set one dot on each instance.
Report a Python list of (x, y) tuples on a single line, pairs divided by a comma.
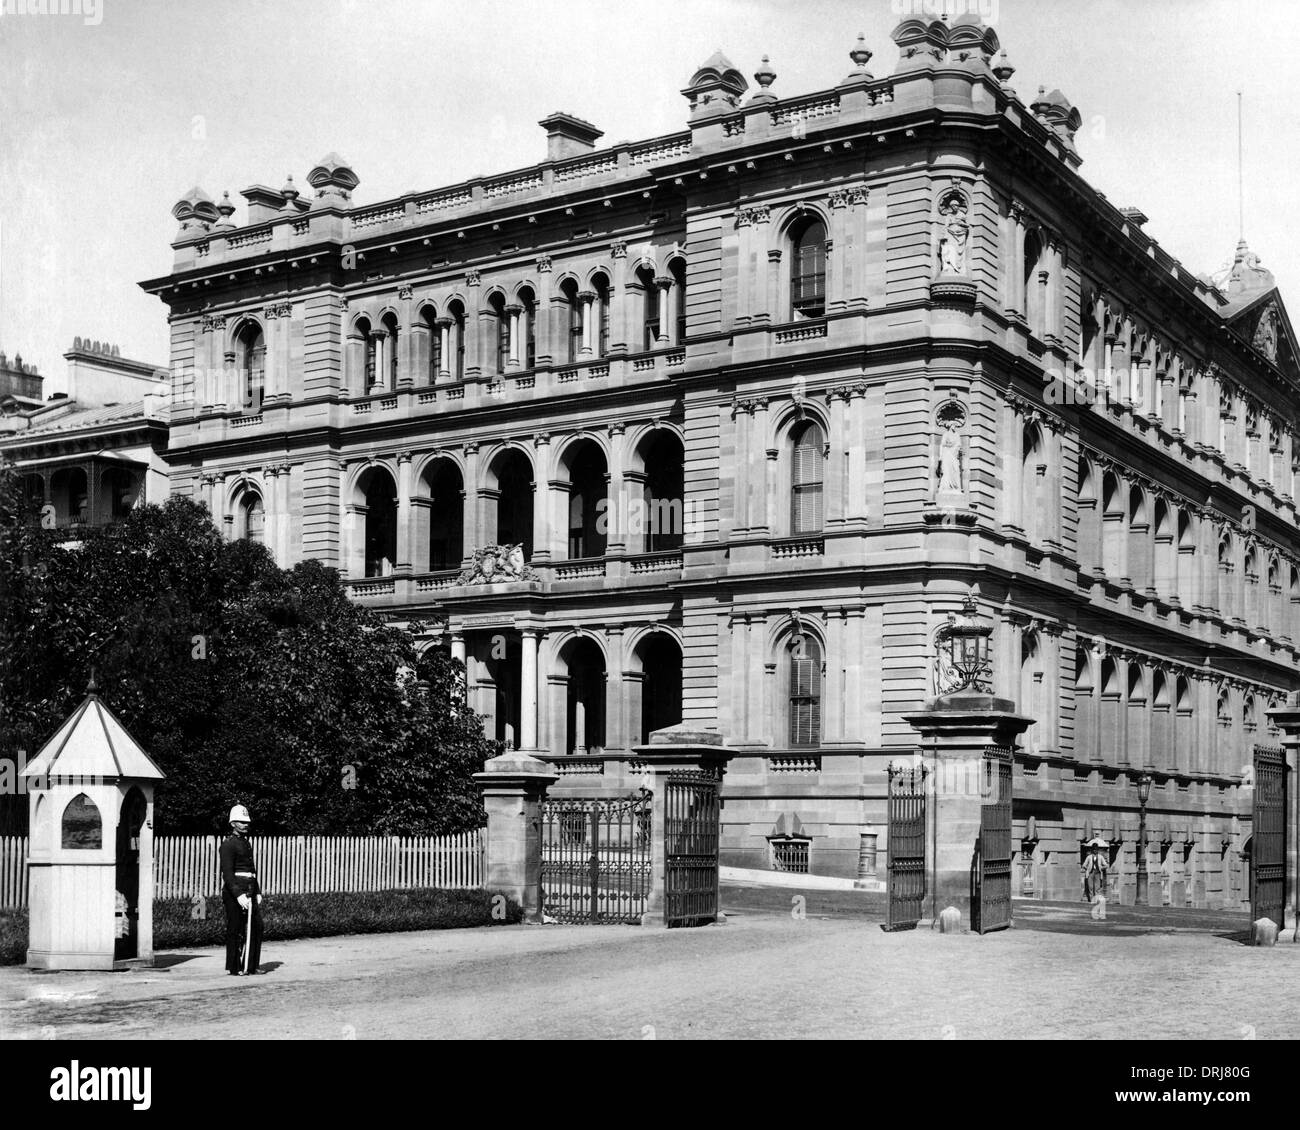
[(1268, 836), (596, 859), (906, 846), (991, 872), (691, 826)]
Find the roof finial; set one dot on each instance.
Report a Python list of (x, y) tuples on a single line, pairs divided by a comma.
[(93, 686)]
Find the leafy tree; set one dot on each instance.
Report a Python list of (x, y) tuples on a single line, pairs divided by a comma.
[(244, 681)]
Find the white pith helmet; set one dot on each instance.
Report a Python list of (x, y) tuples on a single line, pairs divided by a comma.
[(240, 813)]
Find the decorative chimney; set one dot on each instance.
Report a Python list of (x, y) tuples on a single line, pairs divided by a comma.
[(567, 136), (263, 202), (333, 180), (715, 88), (196, 213)]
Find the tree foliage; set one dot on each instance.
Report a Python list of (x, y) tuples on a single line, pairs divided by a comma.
[(245, 682)]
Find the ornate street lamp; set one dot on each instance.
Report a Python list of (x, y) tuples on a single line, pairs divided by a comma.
[(1144, 794), (963, 662)]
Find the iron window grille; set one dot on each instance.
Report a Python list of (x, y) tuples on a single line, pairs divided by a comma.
[(790, 854)]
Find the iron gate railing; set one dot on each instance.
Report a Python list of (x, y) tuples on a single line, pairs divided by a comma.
[(1268, 836), (906, 846), (991, 871), (692, 817), (596, 859)]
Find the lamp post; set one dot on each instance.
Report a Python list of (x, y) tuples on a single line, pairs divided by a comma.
[(1144, 793)]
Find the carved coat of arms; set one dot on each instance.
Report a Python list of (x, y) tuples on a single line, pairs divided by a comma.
[(496, 563)]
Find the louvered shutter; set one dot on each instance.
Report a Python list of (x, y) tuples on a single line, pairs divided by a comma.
[(806, 516), (805, 696)]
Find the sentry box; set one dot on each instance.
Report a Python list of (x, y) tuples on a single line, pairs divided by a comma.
[(90, 869)]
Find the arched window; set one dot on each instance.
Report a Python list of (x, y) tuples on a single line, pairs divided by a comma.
[(805, 690), (446, 514), (456, 312), (83, 829), (808, 270), (569, 289), (429, 317), (661, 683), (250, 519), (677, 268), (1033, 289), (514, 499), (380, 494), (649, 307), (528, 320), (391, 336), (1088, 330), (664, 520), (585, 463), (1032, 458), (362, 333), (600, 284), (585, 698), (502, 335), (808, 444), (252, 365)]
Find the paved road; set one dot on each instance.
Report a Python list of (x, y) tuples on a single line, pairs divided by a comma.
[(765, 974)]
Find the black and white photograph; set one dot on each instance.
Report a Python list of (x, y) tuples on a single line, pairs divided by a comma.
[(697, 520)]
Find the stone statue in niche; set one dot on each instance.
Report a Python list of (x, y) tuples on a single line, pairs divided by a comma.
[(950, 458), (956, 232)]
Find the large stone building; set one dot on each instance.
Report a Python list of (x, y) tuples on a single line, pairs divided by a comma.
[(723, 425)]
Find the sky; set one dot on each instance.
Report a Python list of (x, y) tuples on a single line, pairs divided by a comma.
[(108, 117)]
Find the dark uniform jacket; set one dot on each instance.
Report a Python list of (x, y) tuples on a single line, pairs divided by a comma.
[(237, 856)]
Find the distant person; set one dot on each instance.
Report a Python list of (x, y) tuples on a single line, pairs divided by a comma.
[(242, 896), (1094, 876)]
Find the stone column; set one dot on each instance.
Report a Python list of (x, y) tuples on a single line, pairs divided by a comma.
[(403, 563), (379, 337), (740, 420), (615, 510), (458, 646), (444, 348), (588, 300), (542, 524), (233, 395), (667, 323), (513, 787), (618, 319), (677, 749), (954, 730), (515, 312), (420, 345), (528, 690), (474, 338), (546, 344)]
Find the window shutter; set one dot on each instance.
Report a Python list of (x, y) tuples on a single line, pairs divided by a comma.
[(806, 512), (805, 696)]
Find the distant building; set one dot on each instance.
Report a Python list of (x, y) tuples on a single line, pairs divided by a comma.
[(93, 453), (723, 425), (20, 385)]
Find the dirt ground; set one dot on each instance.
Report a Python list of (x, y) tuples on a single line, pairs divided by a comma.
[(766, 974)]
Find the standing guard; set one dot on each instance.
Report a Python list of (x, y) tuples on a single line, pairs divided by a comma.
[(242, 896)]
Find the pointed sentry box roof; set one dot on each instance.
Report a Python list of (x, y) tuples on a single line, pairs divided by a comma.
[(93, 743)]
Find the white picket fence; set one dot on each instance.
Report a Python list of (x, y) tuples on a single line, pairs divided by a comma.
[(188, 865)]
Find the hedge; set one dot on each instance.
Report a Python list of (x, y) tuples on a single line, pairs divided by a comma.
[(181, 924)]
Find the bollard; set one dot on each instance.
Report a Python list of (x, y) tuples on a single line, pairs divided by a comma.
[(1263, 932), (949, 920)]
